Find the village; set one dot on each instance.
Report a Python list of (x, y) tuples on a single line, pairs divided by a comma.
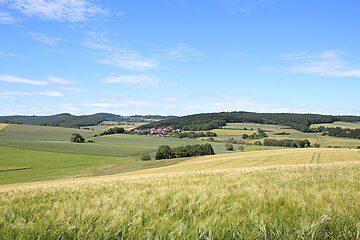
[(157, 132)]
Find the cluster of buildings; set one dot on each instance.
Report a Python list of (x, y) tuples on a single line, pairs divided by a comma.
[(157, 132)]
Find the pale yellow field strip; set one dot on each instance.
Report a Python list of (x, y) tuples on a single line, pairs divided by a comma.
[(3, 126), (238, 162)]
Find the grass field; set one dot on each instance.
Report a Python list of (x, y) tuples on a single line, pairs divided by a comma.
[(265, 127), (121, 145), (21, 165), (337, 124), (28, 165), (318, 201), (44, 133), (110, 124)]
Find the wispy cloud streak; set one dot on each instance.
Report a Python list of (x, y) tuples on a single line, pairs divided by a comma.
[(14, 79), (327, 63), (49, 40), (132, 79), (59, 10), (110, 53), (24, 93)]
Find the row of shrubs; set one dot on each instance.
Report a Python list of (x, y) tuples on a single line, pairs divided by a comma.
[(193, 134), (166, 152), (113, 130), (294, 143)]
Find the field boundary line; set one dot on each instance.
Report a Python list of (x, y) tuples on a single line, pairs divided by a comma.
[(318, 158)]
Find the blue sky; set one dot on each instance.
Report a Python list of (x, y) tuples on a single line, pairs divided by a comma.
[(179, 56)]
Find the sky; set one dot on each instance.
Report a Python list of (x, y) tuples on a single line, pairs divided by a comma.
[(179, 57)]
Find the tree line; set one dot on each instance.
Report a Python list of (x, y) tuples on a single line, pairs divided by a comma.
[(293, 143), (340, 132), (166, 152), (113, 130), (193, 134)]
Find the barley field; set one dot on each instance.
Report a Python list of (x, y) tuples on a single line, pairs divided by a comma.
[(298, 202)]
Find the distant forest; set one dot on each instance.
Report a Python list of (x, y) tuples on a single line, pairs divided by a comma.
[(72, 121), (208, 121)]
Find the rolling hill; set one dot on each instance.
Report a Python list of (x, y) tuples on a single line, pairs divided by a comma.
[(68, 120)]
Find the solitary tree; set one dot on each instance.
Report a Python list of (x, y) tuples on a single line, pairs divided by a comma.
[(77, 138)]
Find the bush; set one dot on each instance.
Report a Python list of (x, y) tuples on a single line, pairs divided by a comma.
[(358, 147), (241, 148), (146, 157), (77, 138), (316, 145), (259, 143), (90, 141), (229, 146)]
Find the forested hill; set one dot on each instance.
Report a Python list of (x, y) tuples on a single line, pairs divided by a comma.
[(68, 120), (208, 121)]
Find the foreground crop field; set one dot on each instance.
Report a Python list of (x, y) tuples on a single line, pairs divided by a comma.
[(302, 202)]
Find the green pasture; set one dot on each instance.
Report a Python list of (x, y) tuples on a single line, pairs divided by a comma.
[(41, 133), (21, 165), (265, 127)]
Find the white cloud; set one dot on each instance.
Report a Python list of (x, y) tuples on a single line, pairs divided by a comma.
[(10, 54), (244, 6), (133, 79), (74, 90), (23, 93), (59, 10), (104, 105), (327, 63), (7, 18), (59, 80), (180, 51), (14, 79), (49, 40), (111, 53)]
